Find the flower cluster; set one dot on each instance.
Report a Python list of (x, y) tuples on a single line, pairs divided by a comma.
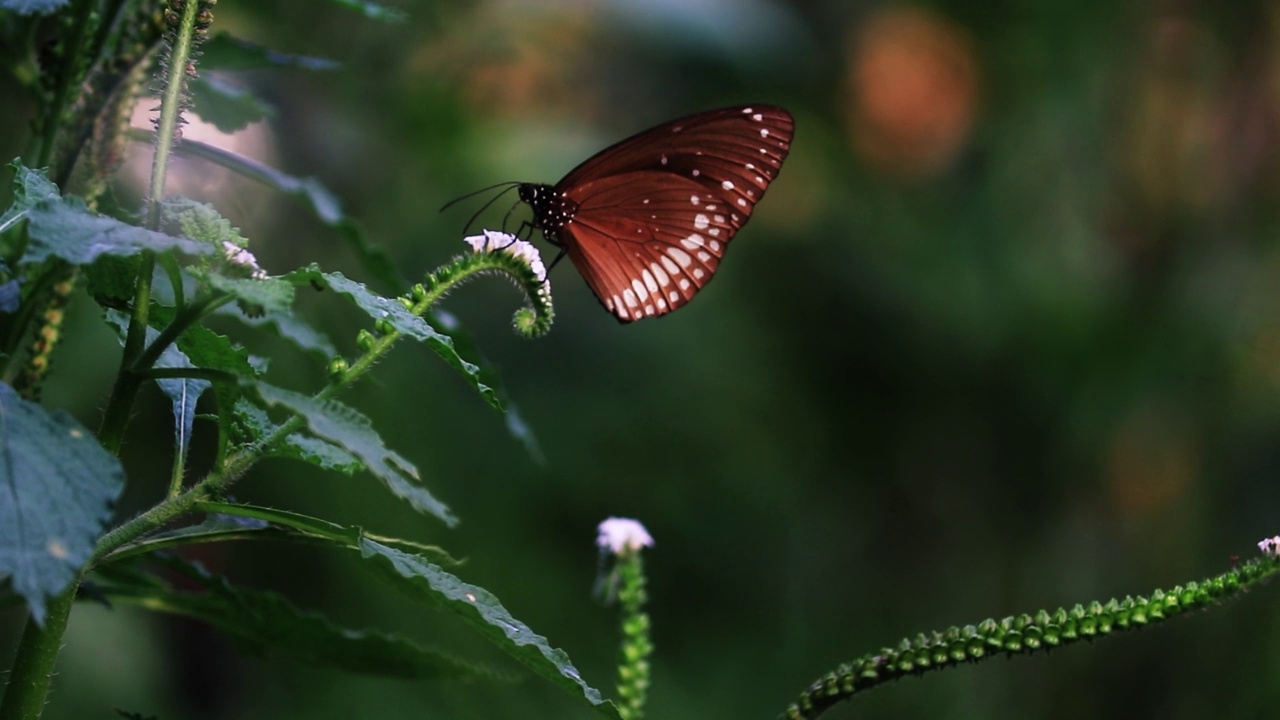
[(623, 535), (1270, 546)]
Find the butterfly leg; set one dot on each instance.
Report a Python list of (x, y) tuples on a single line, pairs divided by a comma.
[(559, 257)]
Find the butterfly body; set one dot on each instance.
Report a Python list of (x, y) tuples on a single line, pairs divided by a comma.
[(647, 220)]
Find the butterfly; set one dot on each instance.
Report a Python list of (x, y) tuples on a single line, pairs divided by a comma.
[(647, 220)]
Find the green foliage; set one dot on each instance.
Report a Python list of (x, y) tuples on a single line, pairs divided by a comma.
[(479, 608), (67, 230), (262, 622), (401, 320), (26, 7), (57, 487), (351, 431)]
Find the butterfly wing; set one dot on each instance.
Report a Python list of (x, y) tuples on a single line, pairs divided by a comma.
[(656, 211)]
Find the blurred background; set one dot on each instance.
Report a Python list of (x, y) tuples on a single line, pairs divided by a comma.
[(1004, 335)]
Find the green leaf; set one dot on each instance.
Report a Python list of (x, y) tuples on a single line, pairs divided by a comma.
[(265, 621), (199, 221), (482, 610), (268, 294), (224, 52), (390, 309), (68, 230), (228, 107), (29, 188), (287, 326), (28, 7), (57, 487), (317, 451), (112, 281), (348, 429), (373, 10)]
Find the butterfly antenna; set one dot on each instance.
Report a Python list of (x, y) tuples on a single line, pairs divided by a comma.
[(485, 206), (474, 193)]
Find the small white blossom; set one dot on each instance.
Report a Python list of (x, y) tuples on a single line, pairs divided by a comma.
[(623, 535), (1270, 546), (493, 241), (237, 255)]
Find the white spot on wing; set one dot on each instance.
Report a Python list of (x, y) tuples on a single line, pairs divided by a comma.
[(715, 246), (630, 297), (719, 219), (700, 222), (704, 256), (727, 185), (757, 117), (764, 133), (750, 166), (675, 296), (649, 281), (698, 273), (641, 292), (648, 309), (742, 202), (695, 199), (662, 303), (684, 283), (663, 279), (670, 265), (696, 172), (680, 256), (746, 111), (693, 242), (713, 232)]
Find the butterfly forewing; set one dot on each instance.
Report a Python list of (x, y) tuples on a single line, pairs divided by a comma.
[(653, 214)]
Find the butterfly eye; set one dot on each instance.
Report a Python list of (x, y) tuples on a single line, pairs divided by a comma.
[(647, 220)]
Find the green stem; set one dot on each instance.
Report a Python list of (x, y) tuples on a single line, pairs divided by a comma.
[(32, 672), (171, 109)]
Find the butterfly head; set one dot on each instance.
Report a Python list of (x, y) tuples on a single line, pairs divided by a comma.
[(551, 209)]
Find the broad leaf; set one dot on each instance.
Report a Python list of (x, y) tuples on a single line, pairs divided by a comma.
[(68, 230), (28, 7), (373, 10), (29, 187), (306, 448), (226, 106), (287, 326), (479, 608), (57, 487), (224, 52), (263, 621), (348, 429), (390, 309)]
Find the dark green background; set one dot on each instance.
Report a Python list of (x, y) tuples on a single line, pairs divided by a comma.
[(1039, 373)]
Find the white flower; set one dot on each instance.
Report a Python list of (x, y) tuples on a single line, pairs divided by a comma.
[(493, 241), (1270, 546), (237, 255), (623, 535)]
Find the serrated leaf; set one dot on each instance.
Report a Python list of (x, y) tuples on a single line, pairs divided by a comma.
[(68, 230), (199, 221), (390, 309), (57, 488), (225, 52), (314, 450), (354, 433), (287, 326), (28, 7), (482, 610), (270, 294), (265, 621), (113, 281), (228, 107), (373, 10), (29, 187)]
